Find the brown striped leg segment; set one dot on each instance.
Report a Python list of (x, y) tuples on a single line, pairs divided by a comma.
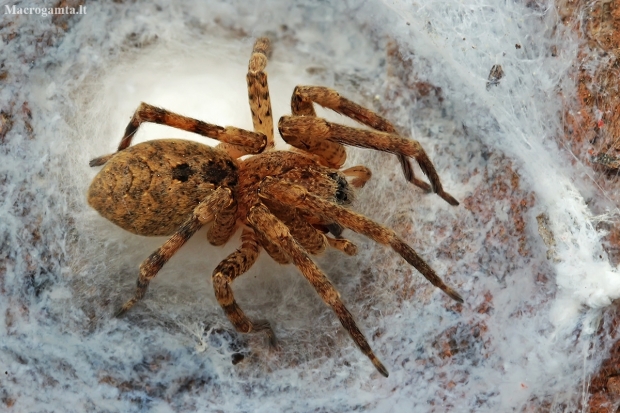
[(343, 245), (297, 196), (224, 224), (330, 154), (203, 214), (274, 252), (303, 96), (311, 239), (305, 131), (226, 272), (246, 142), (258, 91), (273, 229)]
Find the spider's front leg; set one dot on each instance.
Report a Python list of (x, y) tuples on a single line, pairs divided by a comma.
[(315, 135), (204, 213), (297, 196), (270, 227)]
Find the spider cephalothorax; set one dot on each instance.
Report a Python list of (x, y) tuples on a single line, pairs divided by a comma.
[(286, 202)]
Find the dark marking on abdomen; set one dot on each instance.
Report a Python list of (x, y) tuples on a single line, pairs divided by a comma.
[(182, 172)]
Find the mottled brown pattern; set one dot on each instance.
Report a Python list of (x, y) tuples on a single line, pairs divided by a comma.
[(286, 201), (135, 187), (258, 91), (301, 104), (225, 273), (270, 227), (306, 132), (343, 245), (224, 224), (296, 195), (254, 169), (203, 214), (311, 239)]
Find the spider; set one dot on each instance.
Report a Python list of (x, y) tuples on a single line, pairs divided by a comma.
[(292, 204)]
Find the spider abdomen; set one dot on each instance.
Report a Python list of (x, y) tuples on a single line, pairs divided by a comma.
[(151, 188)]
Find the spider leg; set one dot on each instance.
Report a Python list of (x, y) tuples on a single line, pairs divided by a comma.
[(224, 224), (305, 131), (311, 239), (202, 214), (328, 98), (274, 252), (244, 141), (297, 196), (303, 96), (343, 245), (226, 272), (272, 228), (328, 153), (258, 91)]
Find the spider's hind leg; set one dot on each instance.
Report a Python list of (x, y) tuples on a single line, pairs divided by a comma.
[(204, 213), (243, 141)]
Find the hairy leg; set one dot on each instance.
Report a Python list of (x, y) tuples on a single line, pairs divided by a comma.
[(297, 196), (273, 251), (224, 224), (343, 245), (311, 239), (272, 228), (258, 91), (202, 214), (244, 141), (331, 99), (226, 272), (301, 102), (305, 131)]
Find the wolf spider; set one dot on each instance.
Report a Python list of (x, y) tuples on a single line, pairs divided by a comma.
[(286, 202)]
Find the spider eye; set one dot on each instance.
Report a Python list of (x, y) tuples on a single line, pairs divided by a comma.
[(342, 196)]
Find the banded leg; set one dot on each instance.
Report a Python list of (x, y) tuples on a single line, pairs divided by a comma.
[(273, 251), (297, 196), (304, 132), (203, 214), (225, 273), (343, 245), (303, 96), (244, 141), (273, 229), (224, 224), (258, 91), (331, 154), (311, 239)]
